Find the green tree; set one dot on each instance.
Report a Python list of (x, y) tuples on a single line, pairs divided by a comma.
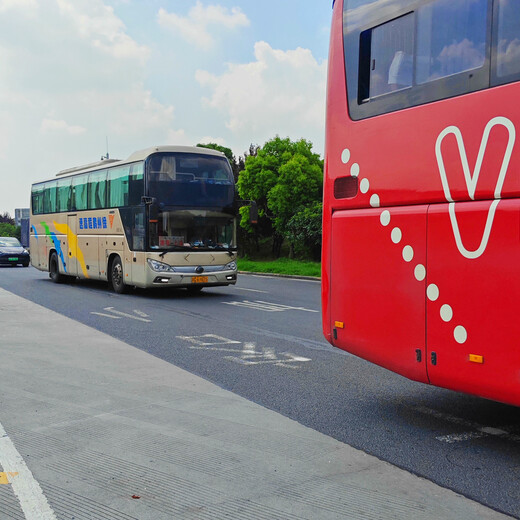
[(9, 230), (304, 229), (283, 178), (6, 218)]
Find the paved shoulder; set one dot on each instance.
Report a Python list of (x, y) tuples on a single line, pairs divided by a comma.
[(109, 432)]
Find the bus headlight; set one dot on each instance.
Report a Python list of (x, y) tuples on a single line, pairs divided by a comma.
[(160, 267), (232, 266)]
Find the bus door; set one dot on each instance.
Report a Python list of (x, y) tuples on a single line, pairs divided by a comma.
[(472, 293), (377, 286), (72, 244)]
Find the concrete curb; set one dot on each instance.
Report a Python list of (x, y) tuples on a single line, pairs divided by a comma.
[(277, 275)]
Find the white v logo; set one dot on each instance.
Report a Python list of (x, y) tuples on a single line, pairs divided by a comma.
[(472, 179)]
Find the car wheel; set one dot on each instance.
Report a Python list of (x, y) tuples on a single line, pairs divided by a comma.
[(117, 276), (54, 269), (25, 265)]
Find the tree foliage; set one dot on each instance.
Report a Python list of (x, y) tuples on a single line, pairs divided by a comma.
[(9, 230), (284, 177), (304, 228), (6, 218)]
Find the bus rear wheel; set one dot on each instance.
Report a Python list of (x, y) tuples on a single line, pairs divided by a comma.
[(117, 276), (54, 269)]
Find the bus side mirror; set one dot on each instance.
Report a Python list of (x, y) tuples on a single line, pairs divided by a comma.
[(153, 208), (154, 213)]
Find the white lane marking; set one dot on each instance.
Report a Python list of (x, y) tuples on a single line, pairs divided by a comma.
[(476, 430), (142, 316), (247, 355), (267, 306), (106, 315), (208, 339), (251, 290), (29, 493)]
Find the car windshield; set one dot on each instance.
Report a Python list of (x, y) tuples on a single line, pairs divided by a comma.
[(9, 242)]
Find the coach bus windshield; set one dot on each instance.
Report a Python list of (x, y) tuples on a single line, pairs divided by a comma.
[(193, 229), (190, 180), (194, 196)]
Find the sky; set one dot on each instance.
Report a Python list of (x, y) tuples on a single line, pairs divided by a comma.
[(76, 74)]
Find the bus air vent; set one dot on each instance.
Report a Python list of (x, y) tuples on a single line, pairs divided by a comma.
[(346, 187)]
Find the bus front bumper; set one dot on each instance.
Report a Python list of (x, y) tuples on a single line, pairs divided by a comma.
[(191, 280)]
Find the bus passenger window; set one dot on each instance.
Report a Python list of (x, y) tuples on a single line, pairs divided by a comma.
[(508, 39), (451, 38), (391, 56)]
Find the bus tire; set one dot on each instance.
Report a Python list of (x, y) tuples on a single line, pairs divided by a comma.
[(117, 276), (54, 269)]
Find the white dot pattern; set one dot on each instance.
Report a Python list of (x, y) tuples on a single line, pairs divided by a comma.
[(396, 235), (419, 272), (407, 253), (460, 334), (345, 156), (446, 313), (432, 291), (385, 218)]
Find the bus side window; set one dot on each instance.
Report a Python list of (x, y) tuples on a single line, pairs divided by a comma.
[(391, 56), (37, 200), (451, 38), (508, 40), (49, 197), (63, 197), (118, 179), (80, 184), (97, 190)]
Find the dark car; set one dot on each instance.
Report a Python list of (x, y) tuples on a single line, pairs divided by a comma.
[(12, 252)]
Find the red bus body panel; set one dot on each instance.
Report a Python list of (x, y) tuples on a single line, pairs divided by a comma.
[(446, 175)]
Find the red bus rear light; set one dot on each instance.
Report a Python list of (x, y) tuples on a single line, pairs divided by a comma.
[(346, 187)]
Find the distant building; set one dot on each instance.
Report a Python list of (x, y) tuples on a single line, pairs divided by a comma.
[(19, 214)]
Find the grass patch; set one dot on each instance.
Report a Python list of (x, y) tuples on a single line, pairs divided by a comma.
[(280, 266)]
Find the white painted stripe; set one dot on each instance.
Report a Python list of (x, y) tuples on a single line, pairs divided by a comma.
[(106, 315), (126, 315), (251, 290), (29, 493)]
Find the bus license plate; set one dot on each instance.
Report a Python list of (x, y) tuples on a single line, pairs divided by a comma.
[(199, 279), (13, 259)]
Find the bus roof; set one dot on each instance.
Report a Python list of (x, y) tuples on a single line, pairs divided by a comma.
[(140, 155)]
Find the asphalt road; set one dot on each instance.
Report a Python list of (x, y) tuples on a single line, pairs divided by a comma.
[(262, 340)]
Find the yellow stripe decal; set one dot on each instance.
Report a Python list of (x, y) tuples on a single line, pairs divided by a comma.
[(75, 250)]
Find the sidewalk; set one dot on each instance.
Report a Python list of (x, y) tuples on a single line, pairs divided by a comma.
[(112, 433)]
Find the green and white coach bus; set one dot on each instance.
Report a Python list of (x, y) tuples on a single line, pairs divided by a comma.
[(165, 217)]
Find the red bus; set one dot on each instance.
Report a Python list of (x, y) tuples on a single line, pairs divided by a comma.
[(421, 216)]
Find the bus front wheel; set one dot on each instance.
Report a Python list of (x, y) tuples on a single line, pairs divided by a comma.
[(54, 269), (117, 276)]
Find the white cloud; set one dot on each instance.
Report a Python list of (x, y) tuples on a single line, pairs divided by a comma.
[(194, 28), (97, 24), (281, 92), (26, 7), (51, 125)]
